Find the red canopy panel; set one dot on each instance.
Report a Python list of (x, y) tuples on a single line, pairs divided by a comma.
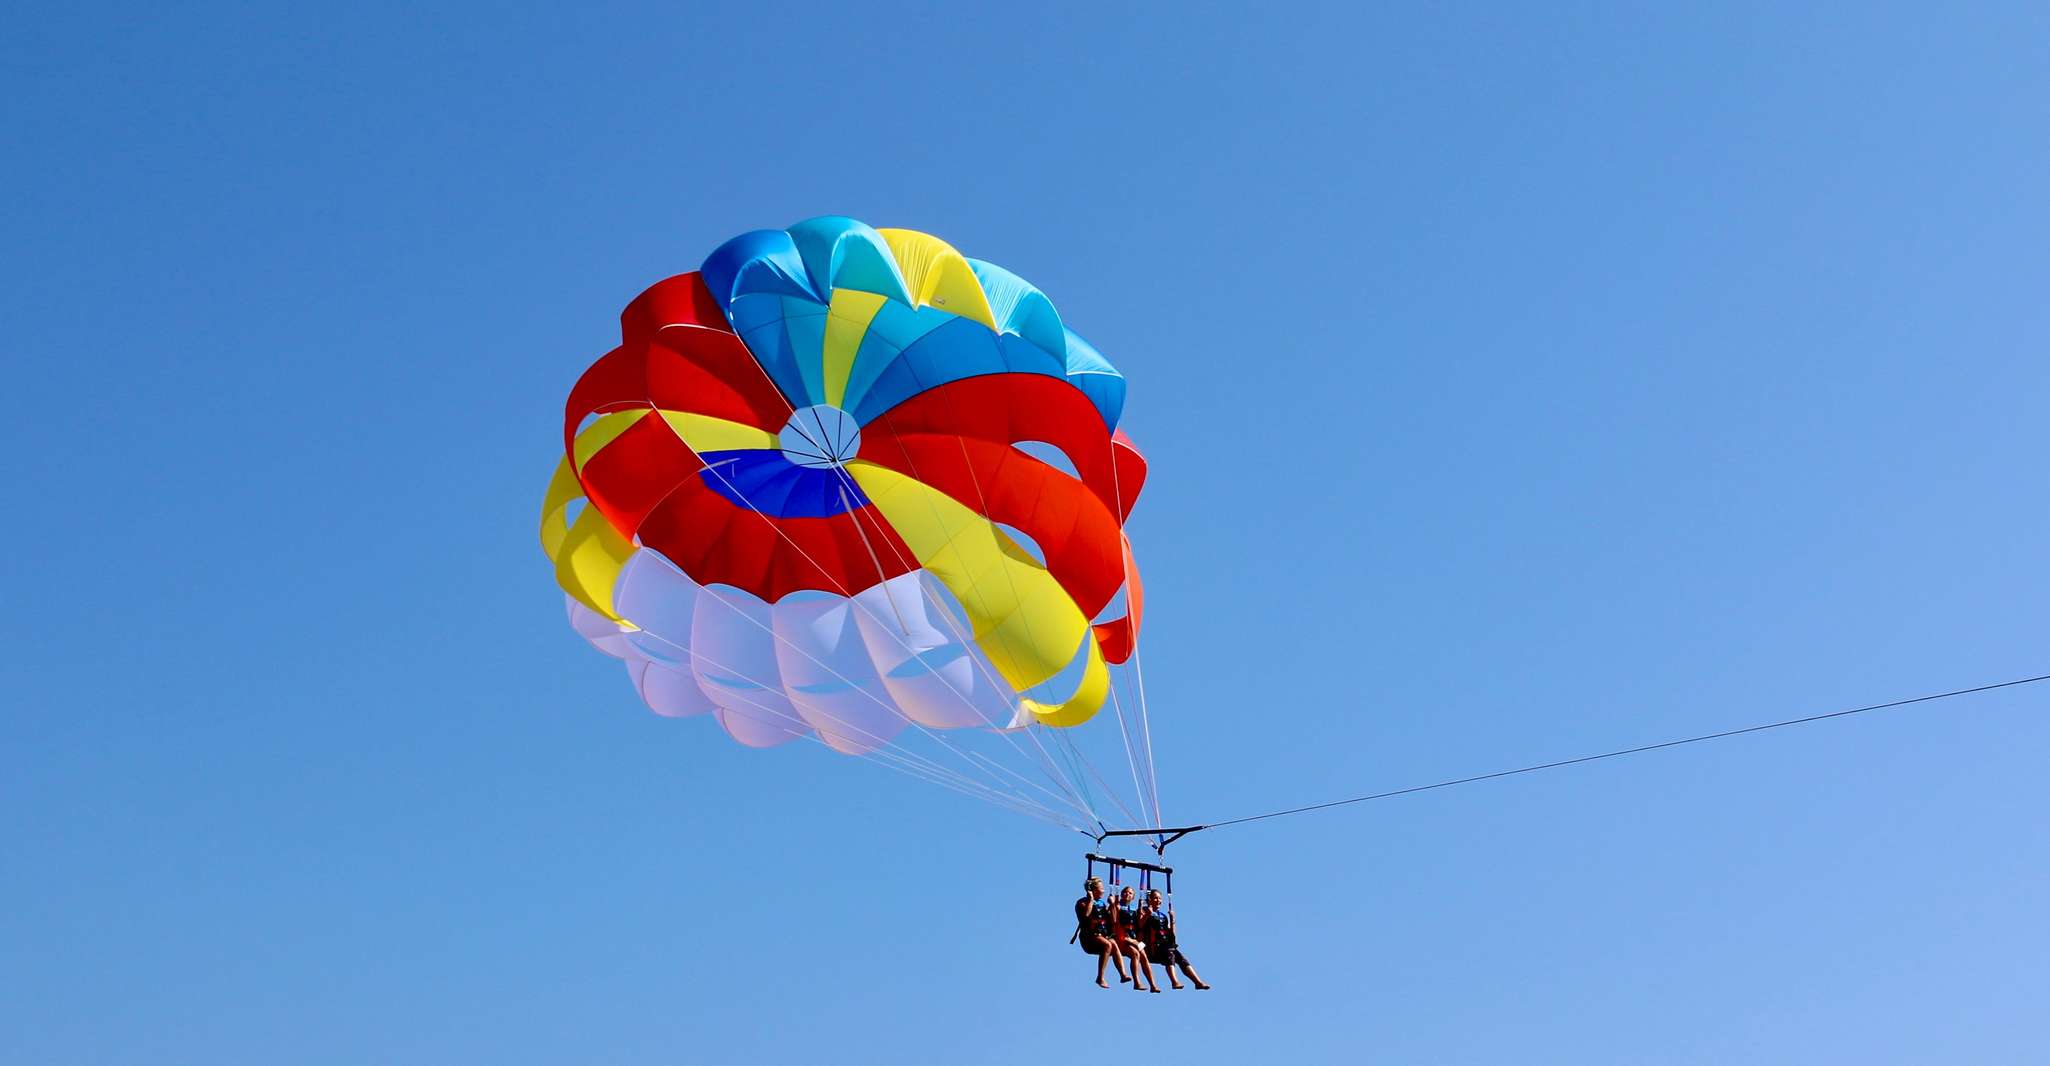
[(1077, 533), (1119, 636), (959, 438), (718, 542), (1009, 408), (681, 301)]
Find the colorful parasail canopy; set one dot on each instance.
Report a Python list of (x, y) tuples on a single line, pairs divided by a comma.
[(842, 481)]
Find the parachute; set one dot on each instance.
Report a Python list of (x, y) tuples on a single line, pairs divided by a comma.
[(847, 485)]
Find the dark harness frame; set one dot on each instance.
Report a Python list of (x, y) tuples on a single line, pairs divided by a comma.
[(1162, 835), (1146, 871), (1113, 866)]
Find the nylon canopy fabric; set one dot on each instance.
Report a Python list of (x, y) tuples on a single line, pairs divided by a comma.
[(787, 498)]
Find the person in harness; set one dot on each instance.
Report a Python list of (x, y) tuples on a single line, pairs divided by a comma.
[(1157, 932), (1093, 930), (1124, 920)]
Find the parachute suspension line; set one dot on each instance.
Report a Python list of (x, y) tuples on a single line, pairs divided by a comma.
[(889, 753), (1107, 787), (953, 624), (1075, 798), (1078, 763), (1073, 782), (1122, 679), (933, 734), (947, 615), (1001, 800), (902, 760), (864, 691), (1077, 759), (1048, 763), (1138, 660), (1138, 790), (1074, 772), (847, 502), (1004, 769), (1146, 726), (928, 766), (969, 465)]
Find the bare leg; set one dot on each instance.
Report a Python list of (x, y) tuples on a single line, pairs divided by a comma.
[(1191, 971), (1140, 966), (1110, 952)]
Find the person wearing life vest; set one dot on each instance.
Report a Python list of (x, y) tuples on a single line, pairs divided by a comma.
[(1093, 930), (1124, 921), (1157, 932)]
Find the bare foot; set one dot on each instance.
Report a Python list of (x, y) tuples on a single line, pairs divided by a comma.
[(1101, 983), (1201, 987), (1174, 985)]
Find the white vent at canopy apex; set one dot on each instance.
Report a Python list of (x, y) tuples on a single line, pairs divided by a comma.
[(821, 437)]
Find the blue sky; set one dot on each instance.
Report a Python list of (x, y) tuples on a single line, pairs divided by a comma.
[(1518, 383)]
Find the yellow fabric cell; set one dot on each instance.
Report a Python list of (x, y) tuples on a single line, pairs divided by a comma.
[(938, 276), (847, 322), (1023, 620), (707, 434), (563, 490), (588, 554), (604, 431), (1081, 706), (589, 560)]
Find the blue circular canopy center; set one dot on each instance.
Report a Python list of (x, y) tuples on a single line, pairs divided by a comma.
[(820, 437)]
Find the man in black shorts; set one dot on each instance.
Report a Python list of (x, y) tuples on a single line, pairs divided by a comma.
[(1156, 930)]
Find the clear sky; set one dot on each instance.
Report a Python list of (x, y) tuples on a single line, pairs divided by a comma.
[(1519, 381)]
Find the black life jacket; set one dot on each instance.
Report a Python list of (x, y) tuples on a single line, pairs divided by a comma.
[(1156, 928), (1093, 916), (1128, 920)]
